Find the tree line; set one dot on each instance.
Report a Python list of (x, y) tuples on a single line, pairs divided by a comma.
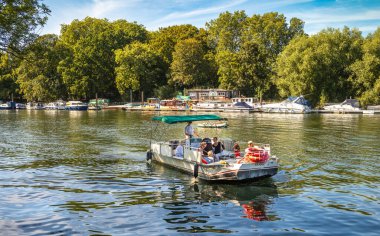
[(260, 55)]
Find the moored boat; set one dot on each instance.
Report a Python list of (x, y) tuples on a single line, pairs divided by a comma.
[(348, 105), (76, 106), (290, 105), (35, 106), (227, 168), (213, 125), (8, 106), (20, 106), (58, 105)]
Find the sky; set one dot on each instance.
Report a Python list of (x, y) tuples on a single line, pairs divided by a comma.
[(153, 14)]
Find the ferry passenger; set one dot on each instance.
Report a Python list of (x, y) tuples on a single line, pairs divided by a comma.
[(236, 149), (179, 149), (202, 147), (209, 158), (218, 147), (250, 145), (208, 145)]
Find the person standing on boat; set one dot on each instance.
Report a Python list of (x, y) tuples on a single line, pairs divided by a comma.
[(189, 133)]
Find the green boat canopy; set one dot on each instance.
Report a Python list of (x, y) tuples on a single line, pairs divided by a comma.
[(178, 119)]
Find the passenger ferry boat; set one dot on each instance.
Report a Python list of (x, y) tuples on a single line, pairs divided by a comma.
[(229, 168)]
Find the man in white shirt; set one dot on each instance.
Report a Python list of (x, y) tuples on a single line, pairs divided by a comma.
[(189, 133)]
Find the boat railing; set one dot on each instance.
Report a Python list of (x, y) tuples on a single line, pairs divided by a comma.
[(192, 154)]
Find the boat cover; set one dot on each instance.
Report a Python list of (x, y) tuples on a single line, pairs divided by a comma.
[(178, 119)]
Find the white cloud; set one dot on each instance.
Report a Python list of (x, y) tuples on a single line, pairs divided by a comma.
[(105, 8), (328, 16)]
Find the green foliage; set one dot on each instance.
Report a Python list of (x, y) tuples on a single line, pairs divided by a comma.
[(318, 66), (189, 67), (224, 33), (138, 68), (38, 78), (165, 92), (19, 19), (8, 85), (89, 67), (164, 40), (247, 48), (366, 72), (259, 55)]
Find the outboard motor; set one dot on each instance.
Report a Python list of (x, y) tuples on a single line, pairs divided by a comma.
[(149, 155)]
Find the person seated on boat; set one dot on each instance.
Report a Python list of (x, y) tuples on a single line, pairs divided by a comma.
[(254, 154), (236, 149), (202, 147), (252, 145), (209, 158), (217, 147), (179, 149), (208, 145)]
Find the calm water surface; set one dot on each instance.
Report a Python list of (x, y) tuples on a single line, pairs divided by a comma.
[(84, 173)]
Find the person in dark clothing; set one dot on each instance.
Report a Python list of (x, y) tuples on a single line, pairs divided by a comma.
[(208, 145), (218, 147)]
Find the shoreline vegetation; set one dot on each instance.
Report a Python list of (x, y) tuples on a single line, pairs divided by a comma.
[(266, 56)]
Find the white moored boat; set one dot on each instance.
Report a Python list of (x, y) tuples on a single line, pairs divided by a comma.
[(213, 125), (228, 168), (290, 105), (348, 105)]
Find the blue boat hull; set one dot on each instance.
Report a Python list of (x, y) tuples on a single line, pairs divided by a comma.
[(76, 108)]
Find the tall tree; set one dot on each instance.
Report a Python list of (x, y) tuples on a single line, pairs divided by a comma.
[(247, 47), (89, 68), (8, 76), (225, 32), (190, 66), (366, 72), (139, 68), (164, 40), (318, 66), (19, 21), (37, 74)]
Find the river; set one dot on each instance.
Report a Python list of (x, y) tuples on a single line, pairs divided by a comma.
[(84, 173)]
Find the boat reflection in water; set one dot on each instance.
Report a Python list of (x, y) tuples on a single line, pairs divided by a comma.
[(195, 207), (254, 199)]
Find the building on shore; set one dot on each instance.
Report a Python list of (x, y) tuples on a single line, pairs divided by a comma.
[(211, 94)]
